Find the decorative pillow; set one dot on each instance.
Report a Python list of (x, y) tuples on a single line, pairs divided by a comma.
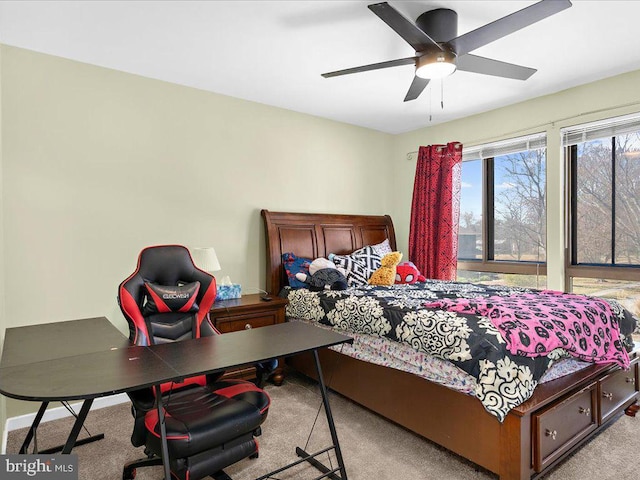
[(170, 298), (386, 274), (293, 265), (382, 248), (359, 265)]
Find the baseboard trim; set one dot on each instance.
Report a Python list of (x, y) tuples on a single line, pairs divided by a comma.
[(22, 421)]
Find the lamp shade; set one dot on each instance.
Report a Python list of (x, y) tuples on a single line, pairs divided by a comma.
[(206, 259)]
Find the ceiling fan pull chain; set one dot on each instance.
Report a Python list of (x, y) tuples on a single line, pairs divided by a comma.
[(430, 116), (442, 94)]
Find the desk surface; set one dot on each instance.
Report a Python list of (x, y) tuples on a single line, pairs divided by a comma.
[(47, 341), (75, 359), (233, 349), (108, 369)]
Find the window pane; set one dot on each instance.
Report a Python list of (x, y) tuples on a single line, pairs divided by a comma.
[(507, 279), (593, 203), (470, 230), (626, 292), (520, 206), (627, 247)]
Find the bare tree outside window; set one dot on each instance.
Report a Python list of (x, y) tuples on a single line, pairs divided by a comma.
[(601, 215), (520, 206), (606, 218), (594, 181), (627, 220)]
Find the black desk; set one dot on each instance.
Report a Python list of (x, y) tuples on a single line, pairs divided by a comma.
[(86, 359), (36, 366)]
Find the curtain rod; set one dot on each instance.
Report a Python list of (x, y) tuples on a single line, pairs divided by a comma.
[(439, 147), (551, 123)]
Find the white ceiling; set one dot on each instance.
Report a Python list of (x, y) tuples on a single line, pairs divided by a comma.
[(273, 52)]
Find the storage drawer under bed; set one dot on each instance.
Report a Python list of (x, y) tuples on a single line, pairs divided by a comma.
[(563, 424), (616, 390)]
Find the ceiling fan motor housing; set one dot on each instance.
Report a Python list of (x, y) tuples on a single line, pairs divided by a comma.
[(440, 24)]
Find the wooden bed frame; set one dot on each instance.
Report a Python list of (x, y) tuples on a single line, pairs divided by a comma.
[(557, 419)]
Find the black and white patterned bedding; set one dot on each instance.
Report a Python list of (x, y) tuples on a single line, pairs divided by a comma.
[(471, 342)]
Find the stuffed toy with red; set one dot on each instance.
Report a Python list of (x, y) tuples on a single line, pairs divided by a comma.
[(407, 272)]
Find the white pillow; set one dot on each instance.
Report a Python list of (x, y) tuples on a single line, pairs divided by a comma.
[(382, 248)]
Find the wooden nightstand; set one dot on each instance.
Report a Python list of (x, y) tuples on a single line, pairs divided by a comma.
[(249, 311)]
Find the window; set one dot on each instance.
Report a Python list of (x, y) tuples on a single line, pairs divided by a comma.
[(502, 234), (520, 206), (604, 218), (470, 230)]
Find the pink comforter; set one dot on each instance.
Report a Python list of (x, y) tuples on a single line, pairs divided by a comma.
[(534, 324)]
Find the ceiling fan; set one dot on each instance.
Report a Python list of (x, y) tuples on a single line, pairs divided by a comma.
[(439, 49)]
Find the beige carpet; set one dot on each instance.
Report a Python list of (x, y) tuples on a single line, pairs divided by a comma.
[(372, 447)]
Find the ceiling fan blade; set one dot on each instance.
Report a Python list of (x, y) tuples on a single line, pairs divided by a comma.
[(488, 66), (416, 88), (373, 66), (403, 27), (507, 25)]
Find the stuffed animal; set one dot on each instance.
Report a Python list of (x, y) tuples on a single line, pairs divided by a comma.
[(323, 274), (407, 272), (386, 274)]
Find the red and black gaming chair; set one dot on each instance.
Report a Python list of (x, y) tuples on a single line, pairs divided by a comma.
[(210, 423)]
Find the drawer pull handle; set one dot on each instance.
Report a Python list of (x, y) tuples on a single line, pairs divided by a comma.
[(551, 433), (586, 411), (247, 326), (630, 380), (608, 396)]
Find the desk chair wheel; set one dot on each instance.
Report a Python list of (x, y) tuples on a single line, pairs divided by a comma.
[(130, 469)]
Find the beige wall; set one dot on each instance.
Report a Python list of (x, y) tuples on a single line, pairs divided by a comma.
[(606, 98), (99, 163)]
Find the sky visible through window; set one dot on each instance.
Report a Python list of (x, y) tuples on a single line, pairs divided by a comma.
[(471, 188), (471, 185)]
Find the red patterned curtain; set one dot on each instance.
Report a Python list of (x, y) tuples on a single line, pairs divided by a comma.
[(435, 211)]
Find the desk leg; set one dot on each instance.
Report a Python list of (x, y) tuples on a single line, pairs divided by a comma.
[(327, 411), (72, 439), (75, 431), (34, 427), (163, 434), (310, 458)]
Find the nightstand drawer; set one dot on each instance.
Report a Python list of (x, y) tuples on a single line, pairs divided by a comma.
[(245, 322)]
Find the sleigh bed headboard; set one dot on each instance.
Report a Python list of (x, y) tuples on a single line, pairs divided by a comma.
[(314, 235)]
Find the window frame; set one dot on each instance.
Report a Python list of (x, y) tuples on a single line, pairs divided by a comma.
[(488, 264), (573, 268)]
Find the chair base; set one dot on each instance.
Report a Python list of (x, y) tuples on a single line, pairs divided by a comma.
[(129, 470)]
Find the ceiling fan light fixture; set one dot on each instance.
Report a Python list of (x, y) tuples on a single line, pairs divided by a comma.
[(438, 64)]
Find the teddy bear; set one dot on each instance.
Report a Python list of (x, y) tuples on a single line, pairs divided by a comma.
[(386, 274), (407, 272), (323, 274)]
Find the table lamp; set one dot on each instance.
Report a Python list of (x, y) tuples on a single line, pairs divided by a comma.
[(206, 259)]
